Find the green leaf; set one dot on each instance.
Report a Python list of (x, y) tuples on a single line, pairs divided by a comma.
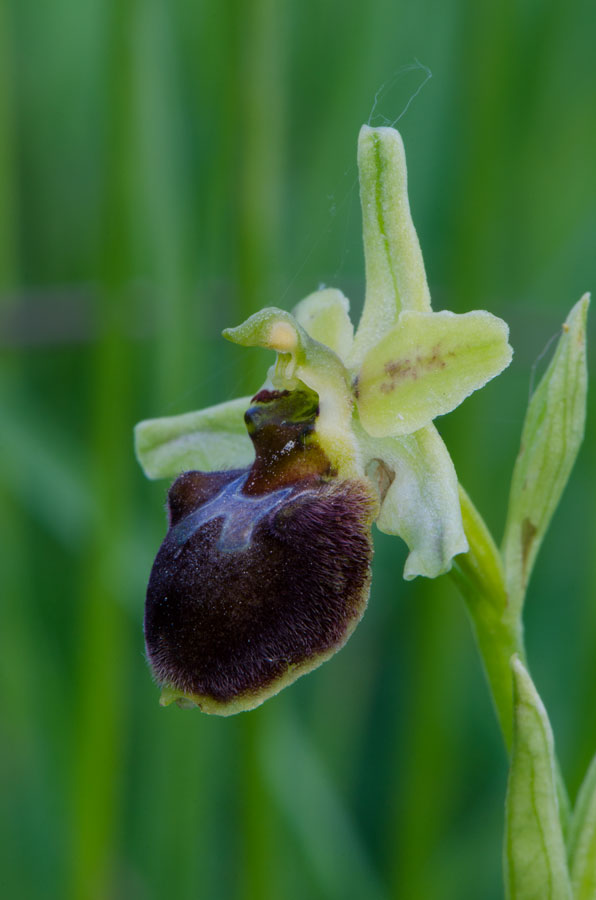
[(535, 857), (420, 500), (209, 440), (325, 316), (395, 276), (426, 365), (582, 839), (551, 438)]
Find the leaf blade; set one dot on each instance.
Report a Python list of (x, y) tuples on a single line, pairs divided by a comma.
[(551, 437), (535, 858), (582, 839)]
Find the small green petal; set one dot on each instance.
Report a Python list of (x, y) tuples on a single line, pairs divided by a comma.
[(302, 360), (551, 438), (211, 439), (395, 276), (535, 858), (272, 328), (582, 839), (421, 499), (426, 365), (325, 316)]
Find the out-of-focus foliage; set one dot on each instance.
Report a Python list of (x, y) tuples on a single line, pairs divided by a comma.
[(165, 170)]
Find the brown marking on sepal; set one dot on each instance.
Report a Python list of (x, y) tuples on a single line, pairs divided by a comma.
[(402, 369)]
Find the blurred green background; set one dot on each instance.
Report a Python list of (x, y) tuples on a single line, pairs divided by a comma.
[(166, 168)]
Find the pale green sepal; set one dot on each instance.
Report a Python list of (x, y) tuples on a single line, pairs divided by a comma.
[(420, 501), (582, 839), (300, 359), (395, 276), (551, 438), (325, 316), (426, 365), (210, 439), (535, 857)]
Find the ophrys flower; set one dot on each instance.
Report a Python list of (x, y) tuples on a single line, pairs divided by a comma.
[(264, 571)]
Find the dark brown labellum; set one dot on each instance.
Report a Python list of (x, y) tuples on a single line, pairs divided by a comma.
[(255, 585)]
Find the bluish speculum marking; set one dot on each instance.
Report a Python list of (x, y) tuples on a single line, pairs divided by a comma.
[(240, 513)]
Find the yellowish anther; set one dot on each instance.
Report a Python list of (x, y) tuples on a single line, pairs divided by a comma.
[(283, 337)]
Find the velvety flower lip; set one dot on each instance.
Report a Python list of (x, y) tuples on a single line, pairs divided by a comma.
[(251, 590), (343, 413)]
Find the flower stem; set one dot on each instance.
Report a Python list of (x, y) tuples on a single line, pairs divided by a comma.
[(497, 624), (480, 577)]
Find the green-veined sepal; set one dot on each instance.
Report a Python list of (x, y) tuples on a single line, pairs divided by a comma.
[(395, 276), (210, 439), (426, 366)]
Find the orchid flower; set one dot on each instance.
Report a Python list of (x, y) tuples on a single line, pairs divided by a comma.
[(265, 570)]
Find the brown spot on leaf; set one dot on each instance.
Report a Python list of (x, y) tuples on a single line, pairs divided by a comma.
[(528, 533)]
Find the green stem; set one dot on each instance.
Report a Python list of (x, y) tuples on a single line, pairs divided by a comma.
[(498, 640), (480, 577), (497, 624)]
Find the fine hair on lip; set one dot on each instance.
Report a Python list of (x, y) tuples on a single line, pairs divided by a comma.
[(228, 621)]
